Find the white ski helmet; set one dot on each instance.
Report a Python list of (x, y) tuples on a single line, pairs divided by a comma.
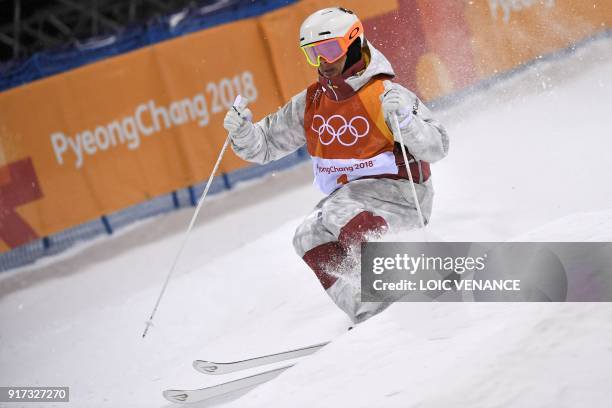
[(332, 22)]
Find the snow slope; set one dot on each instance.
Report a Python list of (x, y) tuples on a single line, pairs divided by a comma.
[(457, 355), (524, 153)]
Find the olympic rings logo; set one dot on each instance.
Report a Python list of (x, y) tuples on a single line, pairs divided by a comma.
[(333, 133)]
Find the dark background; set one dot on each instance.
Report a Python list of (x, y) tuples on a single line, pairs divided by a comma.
[(29, 26)]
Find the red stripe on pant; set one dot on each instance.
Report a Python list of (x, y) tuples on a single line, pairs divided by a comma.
[(325, 259)]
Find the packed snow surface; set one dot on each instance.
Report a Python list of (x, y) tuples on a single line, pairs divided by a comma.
[(529, 160)]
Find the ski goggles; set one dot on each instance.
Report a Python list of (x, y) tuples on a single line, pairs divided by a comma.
[(333, 49)]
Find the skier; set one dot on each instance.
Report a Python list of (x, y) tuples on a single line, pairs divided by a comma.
[(346, 121)]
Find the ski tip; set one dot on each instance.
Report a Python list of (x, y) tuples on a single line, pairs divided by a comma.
[(176, 396), (206, 367)]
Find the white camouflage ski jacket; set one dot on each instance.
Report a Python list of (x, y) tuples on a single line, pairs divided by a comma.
[(282, 132)]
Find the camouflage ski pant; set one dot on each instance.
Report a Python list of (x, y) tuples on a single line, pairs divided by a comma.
[(329, 238)]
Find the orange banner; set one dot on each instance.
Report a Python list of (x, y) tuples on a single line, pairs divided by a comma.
[(508, 33), (436, 47), (121, 131), (118, 132)]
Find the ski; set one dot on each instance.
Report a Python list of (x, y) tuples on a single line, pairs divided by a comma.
[(203, 394), (230, 387), (211, 367)]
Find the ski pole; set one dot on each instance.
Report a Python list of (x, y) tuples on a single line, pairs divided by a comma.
[(407, 163), (149, 322)]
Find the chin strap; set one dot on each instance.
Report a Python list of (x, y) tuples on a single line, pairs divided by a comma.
[(336, 87)]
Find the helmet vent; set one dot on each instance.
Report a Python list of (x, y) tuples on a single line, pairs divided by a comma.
[(324, 32)]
